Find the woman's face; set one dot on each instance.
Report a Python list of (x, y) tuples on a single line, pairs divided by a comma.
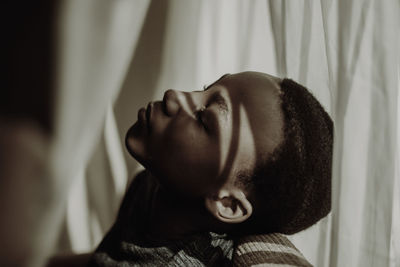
[(194, 142)]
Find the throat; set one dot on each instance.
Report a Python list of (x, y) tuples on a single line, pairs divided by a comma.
[(173, 218), (160, 216)]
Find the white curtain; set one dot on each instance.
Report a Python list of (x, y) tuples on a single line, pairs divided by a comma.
[(115, 56)]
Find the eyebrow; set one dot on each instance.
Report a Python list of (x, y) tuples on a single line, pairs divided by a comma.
[(222, 106), (221, 102), (223, 76)]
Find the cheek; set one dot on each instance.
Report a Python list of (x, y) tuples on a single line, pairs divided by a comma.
[(188, 154), (185, 160)]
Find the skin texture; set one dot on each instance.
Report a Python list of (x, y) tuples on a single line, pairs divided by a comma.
[(195, 143)]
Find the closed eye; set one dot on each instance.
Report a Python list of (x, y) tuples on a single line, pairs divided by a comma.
[(217, 110), (199, 116)]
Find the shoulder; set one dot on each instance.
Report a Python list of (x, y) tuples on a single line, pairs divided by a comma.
[(271, 249)]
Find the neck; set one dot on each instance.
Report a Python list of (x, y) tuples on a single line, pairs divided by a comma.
[(171, 217)]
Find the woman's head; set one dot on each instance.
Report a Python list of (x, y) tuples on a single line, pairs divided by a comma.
[(206, 143)]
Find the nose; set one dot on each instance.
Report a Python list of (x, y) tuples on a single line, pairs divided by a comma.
[(176, 101), (172, 103)]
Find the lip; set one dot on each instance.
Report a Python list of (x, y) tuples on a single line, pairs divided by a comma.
[(147, 115), (141, 116), (148, 112), (144, 116)]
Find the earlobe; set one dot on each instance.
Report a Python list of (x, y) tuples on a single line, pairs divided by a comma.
[(229, 206)]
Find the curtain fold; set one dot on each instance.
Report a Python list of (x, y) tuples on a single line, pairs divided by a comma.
[(96, 40)]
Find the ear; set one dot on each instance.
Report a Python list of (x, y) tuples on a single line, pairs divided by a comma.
[(229, 205)]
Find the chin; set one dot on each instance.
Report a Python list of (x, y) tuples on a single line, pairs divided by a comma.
[(135, 145)]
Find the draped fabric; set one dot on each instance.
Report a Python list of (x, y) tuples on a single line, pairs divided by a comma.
[(115, 56), (96, 42)]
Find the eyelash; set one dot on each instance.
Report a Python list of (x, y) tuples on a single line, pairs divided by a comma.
[(199, 114)]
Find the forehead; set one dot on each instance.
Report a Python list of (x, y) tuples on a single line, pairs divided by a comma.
[(259, 95), (256, 82)]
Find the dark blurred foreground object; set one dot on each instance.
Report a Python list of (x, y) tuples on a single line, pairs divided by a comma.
[(68, 260), (26, 114), (28, 46), (25, 194)]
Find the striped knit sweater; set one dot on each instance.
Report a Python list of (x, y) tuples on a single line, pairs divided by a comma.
[(207, 249), (203, 250), (267, 250), (127, 243)]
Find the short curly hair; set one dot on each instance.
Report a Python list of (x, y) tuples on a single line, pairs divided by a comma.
[(291, 187)]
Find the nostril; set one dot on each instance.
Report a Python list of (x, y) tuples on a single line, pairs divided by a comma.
[(170, 102)]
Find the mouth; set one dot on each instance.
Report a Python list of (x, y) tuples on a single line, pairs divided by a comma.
[(148, 112), (147, 115)]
